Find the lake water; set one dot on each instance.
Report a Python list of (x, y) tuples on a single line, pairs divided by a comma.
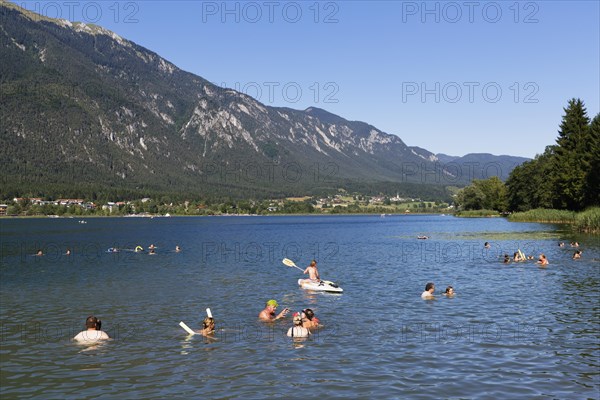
[(511, 331)]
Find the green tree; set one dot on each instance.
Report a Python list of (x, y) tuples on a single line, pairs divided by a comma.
[(528, 186), (592, 178), (571, 160), (489, 194), (14, 209)]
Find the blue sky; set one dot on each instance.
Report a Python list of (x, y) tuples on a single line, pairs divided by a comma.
[(451, 77)]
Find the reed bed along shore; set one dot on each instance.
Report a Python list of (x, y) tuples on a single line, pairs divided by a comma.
[(478, 213), (584, 221)]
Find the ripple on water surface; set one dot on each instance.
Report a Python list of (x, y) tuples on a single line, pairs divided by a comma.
[(511, 331)]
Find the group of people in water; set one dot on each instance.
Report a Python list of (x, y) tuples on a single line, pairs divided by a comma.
[(40, 252), (519, 256), (430, 288), (304, 322), (138, 249)]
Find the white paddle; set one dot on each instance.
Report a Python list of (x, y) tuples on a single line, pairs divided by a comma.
[(188, 329), (290, 263)]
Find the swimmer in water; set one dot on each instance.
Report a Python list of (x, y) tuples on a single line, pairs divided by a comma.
[(309, 320), (208, 326), (449, 292), (268, 314), (543, 261), (429, 289), (298, 331), (93, 333)]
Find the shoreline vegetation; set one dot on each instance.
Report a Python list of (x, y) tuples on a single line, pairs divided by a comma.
[(352, 204), (478, 214), (222, 214), (560, 186), (587, 221)]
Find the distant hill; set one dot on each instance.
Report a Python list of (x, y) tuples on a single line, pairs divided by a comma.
[(483, 165), (85, 112)]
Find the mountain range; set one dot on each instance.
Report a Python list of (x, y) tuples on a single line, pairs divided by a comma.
[(85, 111)]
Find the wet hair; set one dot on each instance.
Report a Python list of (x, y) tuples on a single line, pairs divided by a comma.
[(309, 314), (429, 285), (207, 321), (449, 288), (93, 323)]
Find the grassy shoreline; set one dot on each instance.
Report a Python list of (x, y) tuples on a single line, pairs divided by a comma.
[(587, 221), (478, 214)]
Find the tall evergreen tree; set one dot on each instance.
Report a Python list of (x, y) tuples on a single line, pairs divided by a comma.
[(592, 180), (570, 161)]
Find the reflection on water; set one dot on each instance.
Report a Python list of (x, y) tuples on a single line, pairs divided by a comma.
[(511, 331)]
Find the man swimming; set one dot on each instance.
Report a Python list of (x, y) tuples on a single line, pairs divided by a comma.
[(93, 333), (429, 289), (268, 314)]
